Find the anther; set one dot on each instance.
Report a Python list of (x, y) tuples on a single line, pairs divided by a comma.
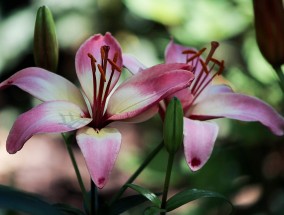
[(189, 51), (115, 57), (219, 63), (102, 72), (114, 66), (104, 55), (221, 67), (214, 60), (197, 54), (92, 57), (93, 62), (204, 66)]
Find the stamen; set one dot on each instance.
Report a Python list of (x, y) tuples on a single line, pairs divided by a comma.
[(93, 65), (115, 57), (114, 66), (93, 62), (214, 46), (197, 54), (204, 66), (103, 75), (104, 55), (214, 60), (221, 68), (188, 51), (200, 84)]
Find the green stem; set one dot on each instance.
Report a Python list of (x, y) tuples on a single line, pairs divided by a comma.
[(280, 76), (94, 199), (148, 159), (75, 166), (167, 181)]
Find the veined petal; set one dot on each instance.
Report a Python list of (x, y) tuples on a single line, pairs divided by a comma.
[(145, 89), (132, 64), (199, 139), (46, 86), (83, 63), (48, 117), (100, 150), (240, 107)]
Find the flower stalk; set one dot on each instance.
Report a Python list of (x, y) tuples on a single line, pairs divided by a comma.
[(145, 163), (173, 138), (94, 199), (167, 181), (76, 169)]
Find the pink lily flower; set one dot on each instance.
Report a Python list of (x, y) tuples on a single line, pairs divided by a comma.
[(102, 101), (203, 101)]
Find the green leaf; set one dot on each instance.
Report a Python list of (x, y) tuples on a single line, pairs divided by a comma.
[(173, 126), (12, 199), (146, 193), (68, 209), (126, 203), (45, 40), (190, 195)]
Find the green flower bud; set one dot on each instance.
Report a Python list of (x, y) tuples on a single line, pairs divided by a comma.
[(269, 27), (173, 126), (45, 41)]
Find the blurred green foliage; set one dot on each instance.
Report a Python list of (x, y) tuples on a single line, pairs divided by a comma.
[(247, 157)]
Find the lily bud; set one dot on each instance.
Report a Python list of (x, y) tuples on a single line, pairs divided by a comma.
[(173, 126), (269, 27), (45, 40)]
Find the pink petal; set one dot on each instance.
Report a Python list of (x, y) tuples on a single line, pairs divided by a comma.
[(211, 90), (46, 86), (199, 139), (174, 54), (185, 97), (132, 64), (240, 107), (215, 89), (100, 149), (147, 114), (48, 117), (145, 89), (83, 62)]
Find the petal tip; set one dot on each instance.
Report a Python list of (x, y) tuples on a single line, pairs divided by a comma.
[(195, 164), (11, 150), (101, 182)]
